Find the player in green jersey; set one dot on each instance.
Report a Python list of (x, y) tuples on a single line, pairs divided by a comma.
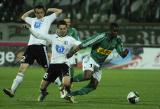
[(73, 60), (74, 33), (71, 31), (102, 45)]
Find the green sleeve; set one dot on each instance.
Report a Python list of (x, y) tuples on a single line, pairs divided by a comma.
[(75, 34), (119, 47), (93, 40)]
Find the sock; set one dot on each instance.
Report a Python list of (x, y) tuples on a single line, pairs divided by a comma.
[(58, 82), (85, 90), (78, 78), (71, 71), (17, 81)]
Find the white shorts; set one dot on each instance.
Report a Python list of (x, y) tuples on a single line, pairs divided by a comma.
[(74, 59), (89, 64)]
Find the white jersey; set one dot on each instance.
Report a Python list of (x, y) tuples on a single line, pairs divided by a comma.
[(60, 45), (40, 25)]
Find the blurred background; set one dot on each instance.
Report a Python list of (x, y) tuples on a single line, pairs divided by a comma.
[(138, 20), (92, 11)]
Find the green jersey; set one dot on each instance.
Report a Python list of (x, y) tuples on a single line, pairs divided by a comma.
[(74, 33), (102, 45)]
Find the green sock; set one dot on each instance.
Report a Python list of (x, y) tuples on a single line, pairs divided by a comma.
[(82, 91)]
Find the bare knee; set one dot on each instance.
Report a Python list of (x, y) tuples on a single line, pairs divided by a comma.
[(66, 81)]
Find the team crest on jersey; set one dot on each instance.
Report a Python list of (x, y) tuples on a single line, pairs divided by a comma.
[(60, 48), (37, 24)]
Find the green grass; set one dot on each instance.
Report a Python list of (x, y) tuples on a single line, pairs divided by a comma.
[(110, 94)]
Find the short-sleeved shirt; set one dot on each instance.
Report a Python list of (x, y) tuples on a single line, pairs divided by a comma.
[(40, 25)]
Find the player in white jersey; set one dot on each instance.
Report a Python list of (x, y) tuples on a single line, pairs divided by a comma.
[(61, 45), (36, 49), (74, 59)]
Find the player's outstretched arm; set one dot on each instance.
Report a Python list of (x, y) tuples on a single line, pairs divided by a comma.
[(93, 40), (38, 35), (55, 10), (27, 14), (73, 51)]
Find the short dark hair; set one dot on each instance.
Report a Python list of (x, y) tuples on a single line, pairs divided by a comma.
[(61, 22), (40, 7), (113, 24)]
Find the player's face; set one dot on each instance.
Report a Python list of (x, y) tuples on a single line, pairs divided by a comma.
[(68, 21), (114, 31), (39, 13), (62, 30)]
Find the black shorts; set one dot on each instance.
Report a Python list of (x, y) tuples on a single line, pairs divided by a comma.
[(38, 53), (56, 70)]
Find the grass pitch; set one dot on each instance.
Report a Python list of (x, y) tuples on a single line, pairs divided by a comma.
[(110, 94)]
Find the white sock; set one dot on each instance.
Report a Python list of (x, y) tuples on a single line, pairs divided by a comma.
[(16, 82), (58, 81)]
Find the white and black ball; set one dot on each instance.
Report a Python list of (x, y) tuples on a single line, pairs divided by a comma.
[(133, 97)]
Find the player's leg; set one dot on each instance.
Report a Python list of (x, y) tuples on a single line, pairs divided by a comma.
[(82, 76), (43, 90), (66, 83), (27, 59), (96, 77), (88, 68), (41, 56), (17, 81), (48, 77), (87, 89), (62, 90)]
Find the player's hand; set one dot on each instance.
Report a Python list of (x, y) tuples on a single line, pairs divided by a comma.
[(125, 52)]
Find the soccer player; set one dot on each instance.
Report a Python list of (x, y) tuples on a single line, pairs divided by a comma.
[(36, 49), (61, 45), (73, 60), (102, 45), (74, 33)]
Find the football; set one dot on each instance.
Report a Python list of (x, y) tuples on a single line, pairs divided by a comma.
[(133, 97)]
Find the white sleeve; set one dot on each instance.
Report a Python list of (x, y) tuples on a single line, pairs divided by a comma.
[(51, 17), (28, 20), (47, 37)]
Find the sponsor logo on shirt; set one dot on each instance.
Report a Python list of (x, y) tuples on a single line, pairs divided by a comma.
[(103, 51), (37, 24), (60, 48)]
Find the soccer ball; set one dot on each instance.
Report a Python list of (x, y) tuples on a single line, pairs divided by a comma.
[(133, 97)]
